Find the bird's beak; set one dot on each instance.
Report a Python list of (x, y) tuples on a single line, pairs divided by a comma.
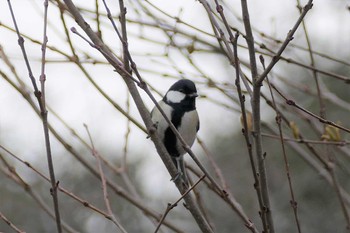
[(193, 95)]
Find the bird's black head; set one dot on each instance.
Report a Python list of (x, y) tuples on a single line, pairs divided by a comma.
[(183, 94), (185, 86)]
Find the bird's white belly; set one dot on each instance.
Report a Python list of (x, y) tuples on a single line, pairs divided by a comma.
[(187, 129)]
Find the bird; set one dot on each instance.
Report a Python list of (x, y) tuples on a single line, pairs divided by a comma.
[(179, 105)]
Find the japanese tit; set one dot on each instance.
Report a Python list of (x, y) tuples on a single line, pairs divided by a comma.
[(179, 105)]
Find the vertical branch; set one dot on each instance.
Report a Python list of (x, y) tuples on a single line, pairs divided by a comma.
[(255, 102), (44, 114), (40, 95), (247, 127), (98, 22), (124, 39), (127, 134), (250, 40), (286, 163)]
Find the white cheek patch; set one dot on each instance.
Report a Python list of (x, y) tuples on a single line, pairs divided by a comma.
[(175, 96)]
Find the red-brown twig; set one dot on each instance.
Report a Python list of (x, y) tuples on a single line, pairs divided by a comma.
[(103, 181), (322, 120), (210, 156), (302, 140), (286, 163), (171, 206), (8, 222)]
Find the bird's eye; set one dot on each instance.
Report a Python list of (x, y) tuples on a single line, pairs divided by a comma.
[(181, 90)]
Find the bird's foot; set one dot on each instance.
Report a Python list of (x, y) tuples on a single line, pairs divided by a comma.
[(180, 176), (176, 177), (152, 130)]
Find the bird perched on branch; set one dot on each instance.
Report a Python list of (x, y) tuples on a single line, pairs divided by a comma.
[(179, 105)]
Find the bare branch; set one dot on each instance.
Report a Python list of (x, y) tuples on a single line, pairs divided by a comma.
[(40, 95), (293, 202), (255, 102), (289, 38), (8, 222), (103, 181)]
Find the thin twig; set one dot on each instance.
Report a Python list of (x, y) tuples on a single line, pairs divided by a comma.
[(44, 114), (220, 35), (124, 39), (24, 53), (246, 132), (171, 206), (294, 104), (217, 169), (293, 202), (302, 140), (8, 222), (103, 181), (98, 21), (289, 38)]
